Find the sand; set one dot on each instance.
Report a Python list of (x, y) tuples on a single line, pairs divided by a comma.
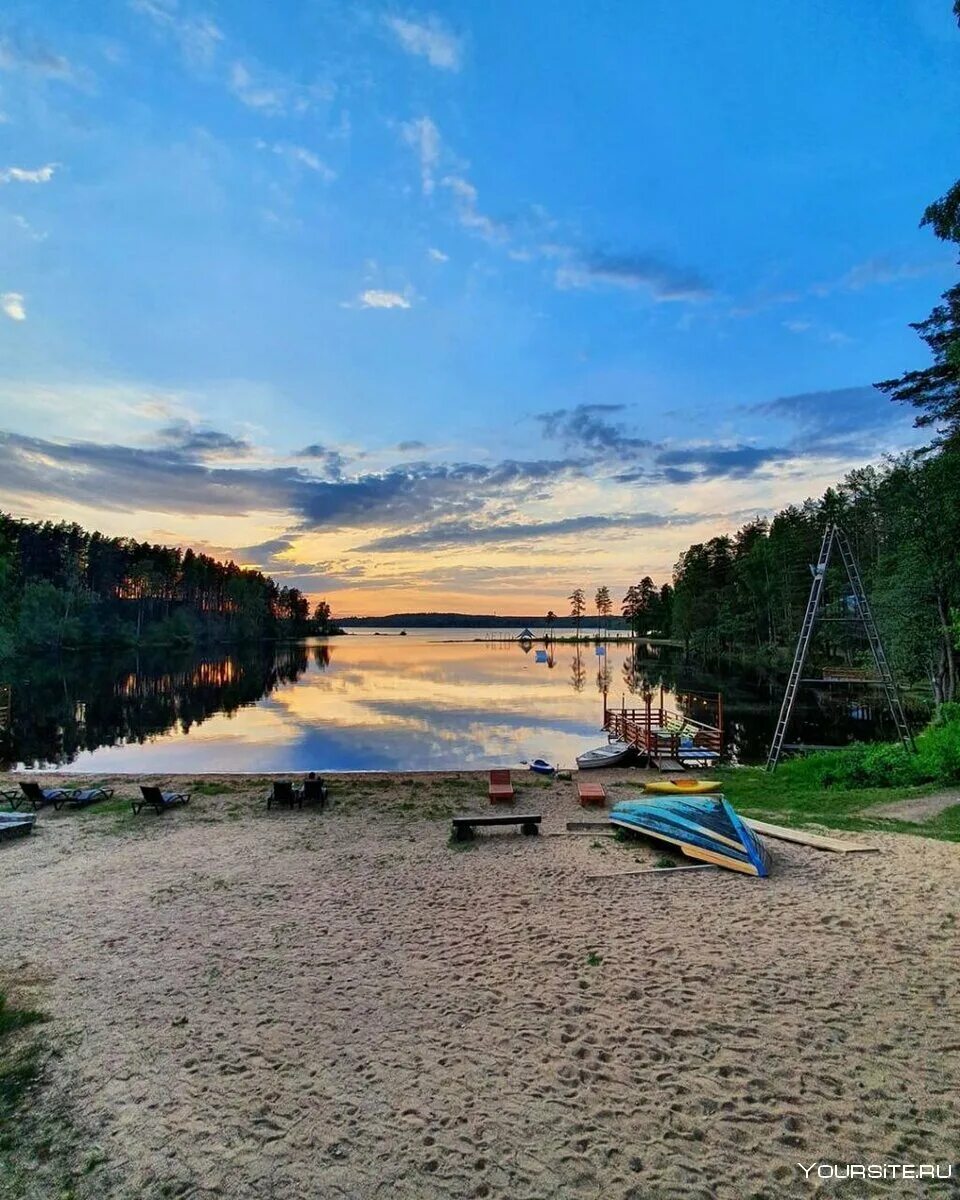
[(302, 1004)]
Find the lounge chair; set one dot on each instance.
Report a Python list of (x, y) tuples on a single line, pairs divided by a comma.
[(314, 791), (83, 796), (285, 793), (11, 795), (591, 793), (500, 789), (39, 796), (158, 800)]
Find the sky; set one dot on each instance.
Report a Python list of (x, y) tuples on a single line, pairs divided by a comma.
[(459, 307)]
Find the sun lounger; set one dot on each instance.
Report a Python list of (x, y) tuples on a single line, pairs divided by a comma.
[(285, 793), (158, 800), (11, 795), (83, 796), (500, 789), (314, 791), (591, 793), (36, 795)]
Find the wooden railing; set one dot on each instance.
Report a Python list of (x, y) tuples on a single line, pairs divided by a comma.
[(660, 733)]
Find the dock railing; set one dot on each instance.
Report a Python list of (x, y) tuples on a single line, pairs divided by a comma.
[(660, 733)]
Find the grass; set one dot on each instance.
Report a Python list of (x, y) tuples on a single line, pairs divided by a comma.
[(665, 861), (793, 795), (594, 959)]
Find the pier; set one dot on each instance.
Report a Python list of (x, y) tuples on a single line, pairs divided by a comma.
[(669, 740)]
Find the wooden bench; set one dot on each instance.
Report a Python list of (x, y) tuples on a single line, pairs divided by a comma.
[(463, 826), (591, 793), (500, 788)]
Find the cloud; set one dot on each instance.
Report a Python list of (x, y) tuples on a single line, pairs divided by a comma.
[(264, 99), (27, 229), (332, 460), (178, 477), (718, 462), (449, 534), (423, 135), (11, 303), (406, 447), (879, 271), (191, 440), (428, 38), (37, 58), (377, 298), (24, 175), (437, 255), (468, 213), (819, 416), (197, 37), (586, 426), (302, 157), (665, 281)]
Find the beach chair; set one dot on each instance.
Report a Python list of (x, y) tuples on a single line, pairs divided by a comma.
[(591, 793), (284, 792), (83, 796), (500, 789), (314, 791), (157, 800), (11, 795), (36, 795)]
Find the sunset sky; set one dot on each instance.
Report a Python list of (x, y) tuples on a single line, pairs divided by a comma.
[(460, 306)]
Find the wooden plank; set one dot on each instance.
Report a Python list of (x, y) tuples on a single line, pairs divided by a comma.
[(655, 870), (816, 840)]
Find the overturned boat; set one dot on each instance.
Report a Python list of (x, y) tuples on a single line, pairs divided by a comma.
[(706, 828), (611, 755)]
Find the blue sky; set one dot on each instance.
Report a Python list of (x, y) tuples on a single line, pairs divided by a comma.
[(460, 305)]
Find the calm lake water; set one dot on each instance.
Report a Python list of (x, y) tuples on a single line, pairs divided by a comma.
[(432, 700)]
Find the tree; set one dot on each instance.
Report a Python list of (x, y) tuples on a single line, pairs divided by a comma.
[(604, 605), (578, 606), (551, 621), (935, 390)]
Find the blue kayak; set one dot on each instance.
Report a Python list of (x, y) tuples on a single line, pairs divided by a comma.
[(542, 767)]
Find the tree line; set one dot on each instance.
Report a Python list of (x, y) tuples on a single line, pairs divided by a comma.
[(61, 585)]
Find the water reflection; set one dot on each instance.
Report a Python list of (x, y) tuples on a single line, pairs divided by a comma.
[(367, 702)]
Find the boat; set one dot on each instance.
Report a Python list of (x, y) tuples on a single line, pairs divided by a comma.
[(542, 767), (707, 829), (611, 755), (683, 787)]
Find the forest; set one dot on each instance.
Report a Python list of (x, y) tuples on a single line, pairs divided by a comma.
[(61, 586), (746, 592)]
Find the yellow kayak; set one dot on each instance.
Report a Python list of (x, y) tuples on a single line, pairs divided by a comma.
[(682, 787)]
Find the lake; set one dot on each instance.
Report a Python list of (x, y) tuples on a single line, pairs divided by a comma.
[(431, 700)]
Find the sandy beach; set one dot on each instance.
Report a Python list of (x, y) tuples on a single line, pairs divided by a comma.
[(295, 1003)]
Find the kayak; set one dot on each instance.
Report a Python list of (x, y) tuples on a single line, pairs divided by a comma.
[(682, 787), (542, 767)]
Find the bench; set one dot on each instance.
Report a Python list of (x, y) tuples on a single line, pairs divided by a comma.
[(463, 827), (500, 789), (591, 793)]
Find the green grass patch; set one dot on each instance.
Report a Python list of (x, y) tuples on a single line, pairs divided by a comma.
[(19, 1062)]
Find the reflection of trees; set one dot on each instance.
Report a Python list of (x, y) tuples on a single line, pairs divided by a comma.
[(321, 655), (63, 705), (604, 677), (578, 674)]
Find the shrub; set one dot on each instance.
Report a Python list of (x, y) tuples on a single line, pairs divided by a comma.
[(938, 750)]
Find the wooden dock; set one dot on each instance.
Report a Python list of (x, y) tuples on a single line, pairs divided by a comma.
[(669, 740)]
